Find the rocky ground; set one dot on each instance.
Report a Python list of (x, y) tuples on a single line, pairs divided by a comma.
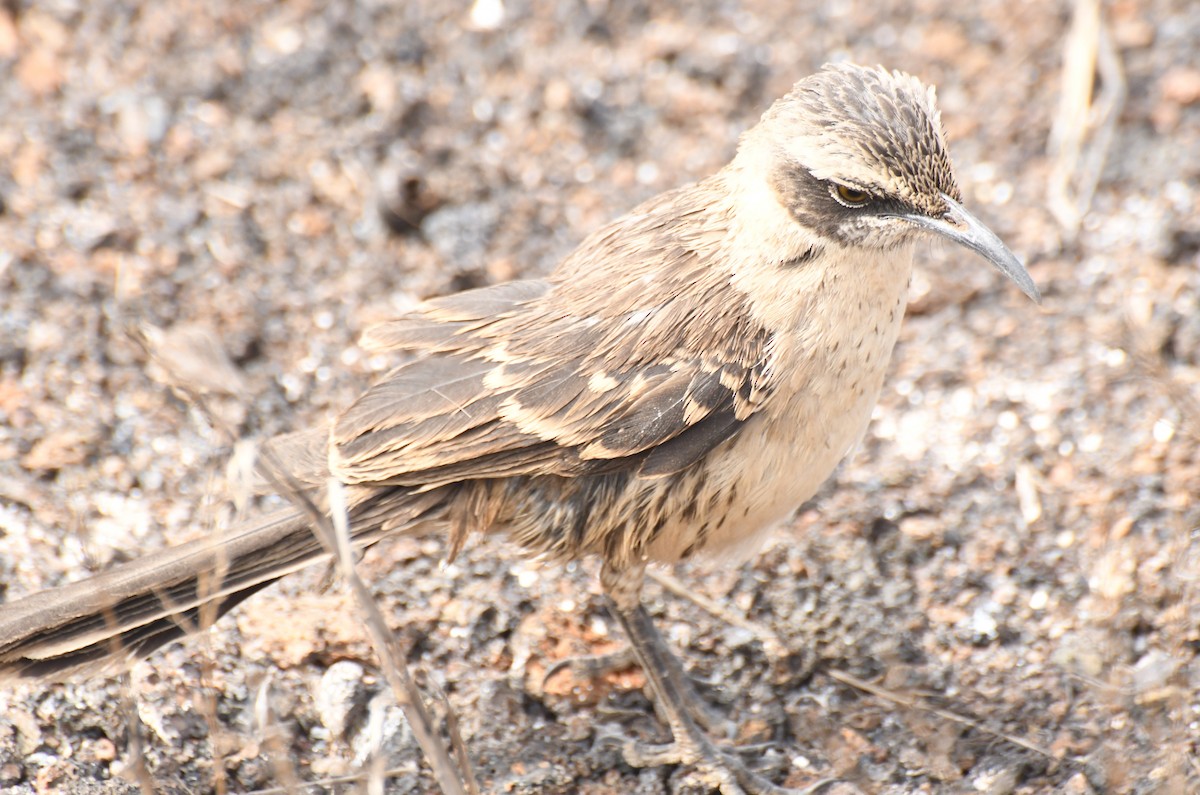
[(1001, 592)]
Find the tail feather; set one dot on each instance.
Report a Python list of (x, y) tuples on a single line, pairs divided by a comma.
[(123, 614)]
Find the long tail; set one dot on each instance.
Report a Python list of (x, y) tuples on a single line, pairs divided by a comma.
[(119, 616)]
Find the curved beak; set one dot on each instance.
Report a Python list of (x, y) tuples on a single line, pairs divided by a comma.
[(965, 229)]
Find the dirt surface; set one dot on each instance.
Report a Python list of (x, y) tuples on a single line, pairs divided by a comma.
[(1012, 560)]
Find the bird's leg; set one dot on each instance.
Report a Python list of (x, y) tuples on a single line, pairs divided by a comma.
[(689, 746), (594, 666)]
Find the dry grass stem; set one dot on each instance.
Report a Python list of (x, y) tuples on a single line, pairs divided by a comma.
[(913, 703), (1085, 124), (273, 739), (408, 696), (136, 768)]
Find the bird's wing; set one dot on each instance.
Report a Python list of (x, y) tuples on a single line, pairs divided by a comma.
[(510, 384)]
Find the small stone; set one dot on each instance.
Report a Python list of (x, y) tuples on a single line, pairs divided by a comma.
[(1078, 785), (102, 750), (60, 449), (11, 774), (341, 698), (461, 233), (405, 200), (1151, 675), (1181, 85), (997, 779), (40, 71), (487, 14)]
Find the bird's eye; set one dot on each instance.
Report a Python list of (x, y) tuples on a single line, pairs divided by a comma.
[(851, 197)]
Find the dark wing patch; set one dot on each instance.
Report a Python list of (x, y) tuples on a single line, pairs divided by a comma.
[(660, 413), (691, 445)]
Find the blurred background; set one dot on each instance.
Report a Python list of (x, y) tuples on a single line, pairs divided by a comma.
[(1000, 593)]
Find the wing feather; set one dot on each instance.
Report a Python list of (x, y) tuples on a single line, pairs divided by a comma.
[(570, 376), (691, 445), (441, 323)]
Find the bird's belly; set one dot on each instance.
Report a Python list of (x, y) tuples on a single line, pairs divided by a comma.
[(758, 482)]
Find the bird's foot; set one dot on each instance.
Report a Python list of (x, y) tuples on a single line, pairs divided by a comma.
[(718, 768), (594, 666)]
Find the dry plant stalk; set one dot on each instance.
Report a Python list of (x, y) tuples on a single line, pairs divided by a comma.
[(1085, 124), (273, 741)]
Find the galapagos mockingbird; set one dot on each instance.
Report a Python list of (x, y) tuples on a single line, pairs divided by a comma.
[(679, 384)]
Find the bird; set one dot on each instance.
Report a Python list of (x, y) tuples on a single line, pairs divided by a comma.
[(675, 388)]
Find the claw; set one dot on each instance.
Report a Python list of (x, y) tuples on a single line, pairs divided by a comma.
[(592, 666)]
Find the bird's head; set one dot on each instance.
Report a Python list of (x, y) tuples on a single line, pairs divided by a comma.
[(857, 156)]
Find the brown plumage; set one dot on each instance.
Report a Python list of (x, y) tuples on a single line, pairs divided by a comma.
[(682, 381)]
